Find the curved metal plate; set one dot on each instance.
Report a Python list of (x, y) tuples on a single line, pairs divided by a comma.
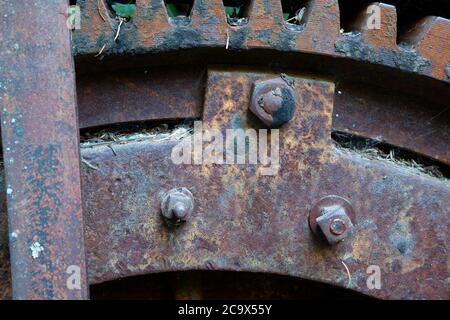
[(245, 221)]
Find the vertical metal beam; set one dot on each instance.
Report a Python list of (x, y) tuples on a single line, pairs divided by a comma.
[(41, 151)]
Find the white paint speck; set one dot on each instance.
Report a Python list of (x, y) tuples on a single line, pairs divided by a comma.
[(13, 120), (8, 148), (36, 249), (9, 191), (14, 234), (340, 92)]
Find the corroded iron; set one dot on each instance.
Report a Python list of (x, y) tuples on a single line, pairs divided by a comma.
[(423, 50), (332, 217), (5, 268), (41, 152), (245, 221), (137, 95), (176, 206), (151, 32), (166, 94), (406, 121), (273, 101)]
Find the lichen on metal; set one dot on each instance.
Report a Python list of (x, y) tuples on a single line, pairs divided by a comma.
[(41, 150)]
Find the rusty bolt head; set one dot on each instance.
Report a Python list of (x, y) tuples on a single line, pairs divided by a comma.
[(337, 226), (176, 206), (273, 101), (332, 218), (179, 210)]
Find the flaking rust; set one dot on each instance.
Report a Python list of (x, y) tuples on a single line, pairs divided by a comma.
[(244, 221), (40, 148), (150, 31)]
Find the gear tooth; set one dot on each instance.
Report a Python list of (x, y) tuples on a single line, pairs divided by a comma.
[(95, 25), (150, 16), (209, 16), (418, 31), (319, 32), (265, 23), (430, 36), (205, 13), (266, 12), (377, 23), (322, 27)]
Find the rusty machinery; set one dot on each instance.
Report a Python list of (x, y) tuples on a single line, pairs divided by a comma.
[(364, 144)]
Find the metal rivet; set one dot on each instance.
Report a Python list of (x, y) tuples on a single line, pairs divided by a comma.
[(337, 227), (176, 206), (179, 210), (273, 101), (332, 218)]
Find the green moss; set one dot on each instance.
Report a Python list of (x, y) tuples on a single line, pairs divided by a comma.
[(125, 11)]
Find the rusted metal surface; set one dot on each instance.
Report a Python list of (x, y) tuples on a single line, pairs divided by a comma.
[(332, 217), (5, 268), (150, 31), (41, 151), (136, 95), (177, 206), (273, 101), (398, 233), (387, 116), (217, 285), (159, 94), (430, 37), (383, 38), (244, 221)]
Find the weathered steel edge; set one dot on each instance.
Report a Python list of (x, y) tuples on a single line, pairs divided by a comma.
[(5, 267), (41, 152), (246, 222), (140, 95), (360, 109), (424, 51), (401, 223)]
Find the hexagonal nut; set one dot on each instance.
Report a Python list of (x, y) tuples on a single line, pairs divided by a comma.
[(176, 206), (273, 101), (335, 224), (332, 218)]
